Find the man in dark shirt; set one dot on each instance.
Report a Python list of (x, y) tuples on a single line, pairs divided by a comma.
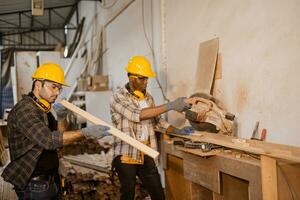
[(34, 136)]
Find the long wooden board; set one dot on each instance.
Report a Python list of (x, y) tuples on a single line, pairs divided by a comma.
[(115, 132), (281, 151)]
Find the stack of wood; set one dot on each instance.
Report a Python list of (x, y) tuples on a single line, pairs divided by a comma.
[(90, 146), (84, 178), (85, 168)]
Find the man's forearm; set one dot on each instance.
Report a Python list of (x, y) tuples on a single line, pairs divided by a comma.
[(71, 136), (148, 113)]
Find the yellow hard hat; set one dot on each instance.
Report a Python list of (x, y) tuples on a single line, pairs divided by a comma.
[(50, 72), (141, 66)]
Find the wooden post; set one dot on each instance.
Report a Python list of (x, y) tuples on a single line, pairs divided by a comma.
[(269, 178), (115, 132)]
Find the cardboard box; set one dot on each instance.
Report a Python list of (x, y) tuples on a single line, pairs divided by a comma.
[(100, 83)]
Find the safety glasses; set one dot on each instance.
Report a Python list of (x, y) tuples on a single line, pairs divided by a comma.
[(141, 78), (53, 86)]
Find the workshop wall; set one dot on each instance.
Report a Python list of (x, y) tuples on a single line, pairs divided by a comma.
[(259, 42), (127, 36), (259, 46)]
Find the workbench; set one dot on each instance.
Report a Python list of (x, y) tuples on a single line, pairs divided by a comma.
[(222, 174)]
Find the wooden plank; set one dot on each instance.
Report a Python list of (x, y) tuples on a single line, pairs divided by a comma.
[(198, 170), (218, 73), (199, 152), (288, 180), (87, 165), (201, 171), (199, 192), (281, 151), (177, 187), (269, 178), (208, 52), (115, 132), (234, 188)]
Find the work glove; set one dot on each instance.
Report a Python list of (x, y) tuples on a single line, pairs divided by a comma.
[(61, 111), (184, 131), (178, 105), (95, 131)]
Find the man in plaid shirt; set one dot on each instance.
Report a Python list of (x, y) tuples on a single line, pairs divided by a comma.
[(34, 136), (134, 112)]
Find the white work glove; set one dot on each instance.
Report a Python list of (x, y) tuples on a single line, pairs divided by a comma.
[(184, 131), (178, 105), (95, 131), (61, 111)]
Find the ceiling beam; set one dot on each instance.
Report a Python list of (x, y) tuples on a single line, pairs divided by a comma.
[(10, 23), (36, 28), (71, 12), (27, 30), (22, 11)]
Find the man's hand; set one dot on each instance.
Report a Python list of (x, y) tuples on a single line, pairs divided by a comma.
[(184, 131), (96, 131), (179, 105), (61, 111)]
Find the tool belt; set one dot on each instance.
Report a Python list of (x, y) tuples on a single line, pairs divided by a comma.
[(128, 160), (41, 182), (44, 185)]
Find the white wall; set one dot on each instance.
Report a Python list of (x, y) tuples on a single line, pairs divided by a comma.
[(125, 37), (260, 44)]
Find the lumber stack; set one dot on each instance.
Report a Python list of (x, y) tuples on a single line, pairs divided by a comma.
[(90, 146), (83, 182), (85, 169)]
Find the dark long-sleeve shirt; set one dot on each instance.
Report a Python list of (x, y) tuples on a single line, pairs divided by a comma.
[(28, 136)]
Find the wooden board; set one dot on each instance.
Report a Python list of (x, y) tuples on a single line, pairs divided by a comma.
[(177, 187), (199, 152), (269, 178), (201, 171), (288, 180), (281, 151), (234, 188), (115, 132), (205, 172), (208, 52), (218, 73)]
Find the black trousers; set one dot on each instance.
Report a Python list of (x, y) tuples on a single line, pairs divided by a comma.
[(148, 174), (41, 189)]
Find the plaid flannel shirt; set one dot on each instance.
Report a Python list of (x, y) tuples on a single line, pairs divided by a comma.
[(28, 136), (125, 112)]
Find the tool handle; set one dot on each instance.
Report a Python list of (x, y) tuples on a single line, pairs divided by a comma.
[(263, 134)]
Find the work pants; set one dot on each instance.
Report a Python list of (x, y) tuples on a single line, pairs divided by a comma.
[(148, 174), (43, 187)]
